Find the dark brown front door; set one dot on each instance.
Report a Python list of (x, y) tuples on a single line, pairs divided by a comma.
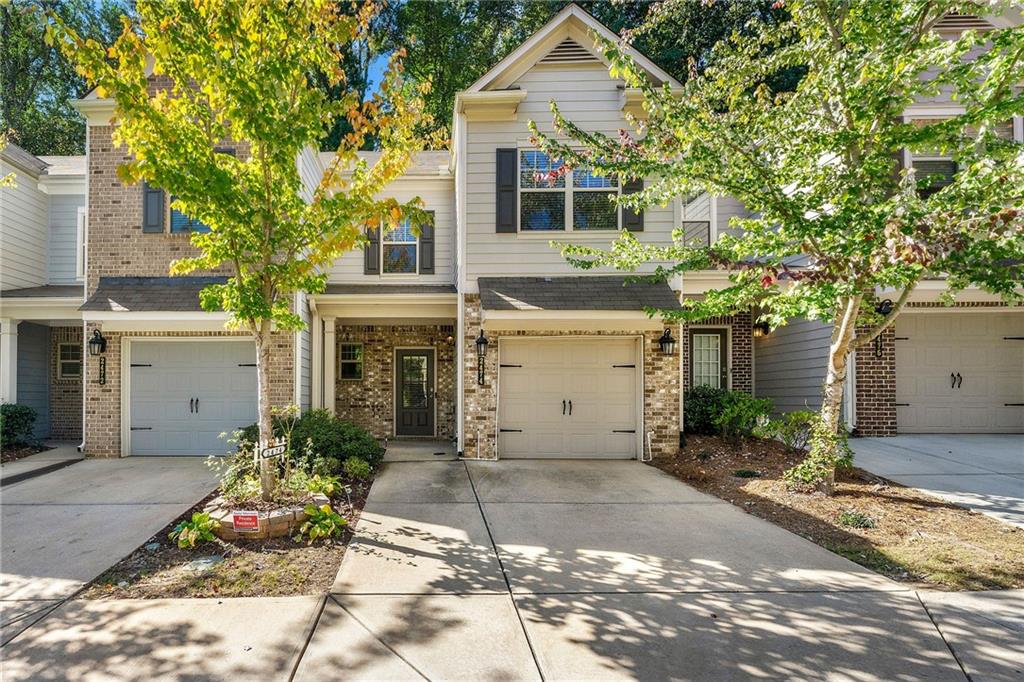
[(415, 395)]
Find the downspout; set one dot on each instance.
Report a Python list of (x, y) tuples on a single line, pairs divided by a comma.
[(85, 280)]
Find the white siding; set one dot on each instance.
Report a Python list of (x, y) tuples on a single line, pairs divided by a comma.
[(728, 208), (64, 237), (790, 363), (305, 354), (586, 95), (310, 172), (438, 195), (23, 231)]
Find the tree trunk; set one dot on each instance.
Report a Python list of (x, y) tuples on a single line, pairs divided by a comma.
[(843, 331), (267, 473)]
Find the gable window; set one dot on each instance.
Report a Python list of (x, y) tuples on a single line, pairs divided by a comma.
[(399, 250), (69, 361), (351, 361), (939, 168), (575, 200)]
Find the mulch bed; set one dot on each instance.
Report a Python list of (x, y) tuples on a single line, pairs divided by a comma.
[(916, 538), (276, 567), (21, 451)]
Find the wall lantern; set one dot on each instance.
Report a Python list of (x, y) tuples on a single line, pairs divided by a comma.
[(97, 344), (667, 343), (884, 307), (481, 351), (761, 329)]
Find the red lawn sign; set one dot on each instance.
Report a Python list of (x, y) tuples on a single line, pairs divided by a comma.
[(245, 521)]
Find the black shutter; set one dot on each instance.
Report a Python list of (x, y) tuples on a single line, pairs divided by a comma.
[(152, 209), (371, 252), (506, 172), (632, 220), (427, 246)]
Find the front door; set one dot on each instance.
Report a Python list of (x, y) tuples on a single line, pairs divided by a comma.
[(709, 360), (414, 409)]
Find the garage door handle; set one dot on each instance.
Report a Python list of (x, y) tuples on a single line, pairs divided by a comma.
[(197, 405), (191, 405), (570, 408), (563, 408), (959, 380), (952, 378)]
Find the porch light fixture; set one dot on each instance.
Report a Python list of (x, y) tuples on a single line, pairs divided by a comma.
[(761, 329), (667, 343), (884, 307), (97, 344), (481, 351)]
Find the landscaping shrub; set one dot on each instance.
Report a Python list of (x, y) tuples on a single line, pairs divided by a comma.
[(852, 518), (321, 441), (794, 428), (323, 523), (356, 469), (701, 407), (196, 530), (16, 422), (743, 416)]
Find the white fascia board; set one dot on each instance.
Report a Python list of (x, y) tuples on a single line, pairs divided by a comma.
[(62, 184), (577, 320), (383, 299), (153, 315), (33, 309), (97, 112)]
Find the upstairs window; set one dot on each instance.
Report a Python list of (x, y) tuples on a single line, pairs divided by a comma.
[(573, 200), (939, 168), (399, 250), (180, 222)]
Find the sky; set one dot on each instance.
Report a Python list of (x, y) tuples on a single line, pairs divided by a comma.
[(377, 68)]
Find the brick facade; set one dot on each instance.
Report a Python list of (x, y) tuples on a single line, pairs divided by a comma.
[(370, 401), (65, 394), (741, 349), (480, 419)]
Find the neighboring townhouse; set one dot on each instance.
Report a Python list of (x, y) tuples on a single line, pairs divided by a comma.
[(42, 260), (474, 332)]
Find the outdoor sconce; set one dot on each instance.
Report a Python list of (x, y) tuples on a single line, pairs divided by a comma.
[(761, 329), (667, 343), (481, 351), (97, 344), (884, 307)]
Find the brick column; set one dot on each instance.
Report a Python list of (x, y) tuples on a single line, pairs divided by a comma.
[(875, 375)]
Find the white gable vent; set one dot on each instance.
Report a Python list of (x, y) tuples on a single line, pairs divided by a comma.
[(569, 52), (957, 23)]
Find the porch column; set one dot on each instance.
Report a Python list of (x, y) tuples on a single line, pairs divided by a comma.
[(8, 360), (330, 352), (316, 328)]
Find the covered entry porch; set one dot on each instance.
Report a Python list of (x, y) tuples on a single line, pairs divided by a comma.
[(384, 358)]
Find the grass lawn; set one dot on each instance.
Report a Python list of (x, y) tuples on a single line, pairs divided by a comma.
[(244, 568), (900, 532)]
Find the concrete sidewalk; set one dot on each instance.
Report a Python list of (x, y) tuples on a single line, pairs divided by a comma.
[(984, 472), (60, 453)]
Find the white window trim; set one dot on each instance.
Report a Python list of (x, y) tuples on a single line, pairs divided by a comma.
[(569, 190), (60, 361), (361, 362), (80, 243), (416, 243)]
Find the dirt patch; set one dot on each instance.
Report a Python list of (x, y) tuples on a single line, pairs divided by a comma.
[(913, 537), (276, 567), (15, 453)]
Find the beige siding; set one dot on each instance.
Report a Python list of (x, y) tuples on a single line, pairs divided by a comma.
[(586, 95), (438, 195), (310, 172), (23, 231)]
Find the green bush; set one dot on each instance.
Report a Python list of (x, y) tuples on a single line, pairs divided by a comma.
[(322, 522), (356, 468), (16, 422), (321, 442), (827, 451), (794, 428), (701, 407), (743, 416), (852, 518), (196, 530), (746, 473)]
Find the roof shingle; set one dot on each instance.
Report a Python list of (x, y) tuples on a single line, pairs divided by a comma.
[(141, 294), (606, 292)]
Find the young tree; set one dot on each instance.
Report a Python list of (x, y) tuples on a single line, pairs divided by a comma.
[(838, 223), (244, 74)]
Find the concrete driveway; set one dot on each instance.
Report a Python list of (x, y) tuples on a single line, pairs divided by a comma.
[(63, 528), (982, 472), (600, 570)]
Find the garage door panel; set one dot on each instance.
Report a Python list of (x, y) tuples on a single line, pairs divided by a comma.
[(972, 346), (165, 419), (604, 398)]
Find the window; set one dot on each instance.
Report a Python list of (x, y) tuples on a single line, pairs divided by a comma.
[(939, 168), (399, 250), (180, 222), (351, 361), (546, 202), (69, 361), (708, 361)]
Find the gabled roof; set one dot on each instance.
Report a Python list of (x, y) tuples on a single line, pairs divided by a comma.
[(603, 292), (572, 23)]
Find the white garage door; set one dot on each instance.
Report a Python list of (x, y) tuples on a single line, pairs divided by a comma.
[(568, 398), (960, 373), (185, 394)]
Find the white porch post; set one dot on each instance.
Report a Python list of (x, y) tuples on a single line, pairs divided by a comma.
[(8, 360), (316, 329), (330, 351)]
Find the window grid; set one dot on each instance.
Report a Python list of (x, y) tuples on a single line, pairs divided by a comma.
[(540, 212), (69, 361), (707, 360), (350, 362), (399, 251)]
